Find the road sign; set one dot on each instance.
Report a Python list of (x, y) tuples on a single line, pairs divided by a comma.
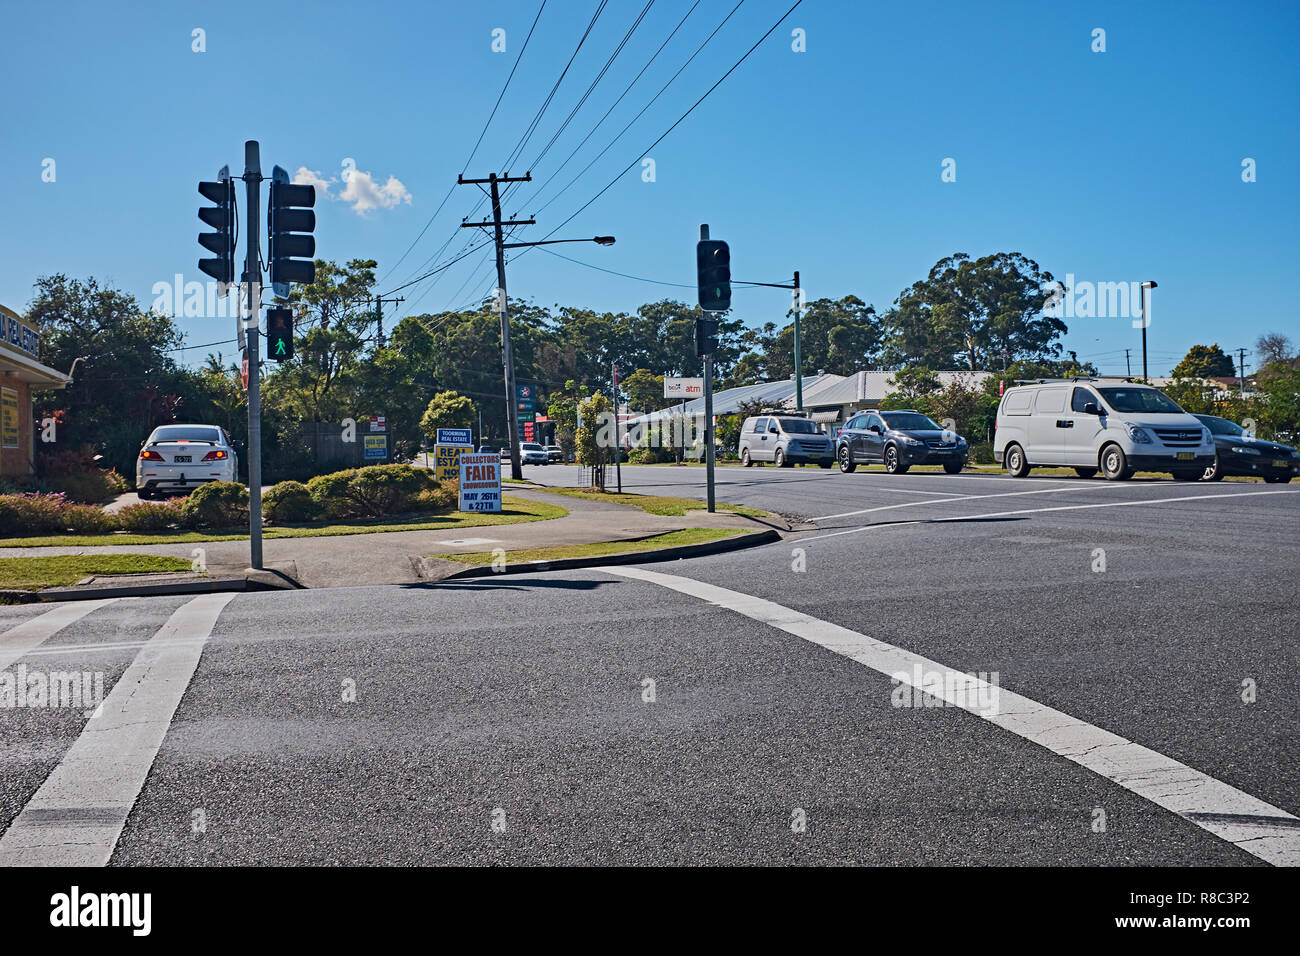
[(525, 392), (480, 482), (455, 436), (683, 387), (446, 458), (376, 446)]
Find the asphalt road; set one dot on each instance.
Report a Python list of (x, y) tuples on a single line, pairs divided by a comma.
[(512, 719)]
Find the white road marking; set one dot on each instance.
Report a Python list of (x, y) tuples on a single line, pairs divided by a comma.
[(1029, 511), (77, 815), (21, 640), (917, 504), (1247, 822)]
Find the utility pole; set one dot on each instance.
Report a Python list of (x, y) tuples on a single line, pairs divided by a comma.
[(379, 316), (507, 354), (1241, 378), (253, 283), (1128, 364), (798, 366), (618, 438)]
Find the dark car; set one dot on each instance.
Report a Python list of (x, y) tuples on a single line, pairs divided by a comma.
[(1238, 453), (899, 440)]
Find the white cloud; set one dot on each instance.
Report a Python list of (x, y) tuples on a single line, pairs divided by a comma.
[(309, 177), (364, 194)]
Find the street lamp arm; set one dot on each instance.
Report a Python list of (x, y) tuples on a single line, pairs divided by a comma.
[(598, 240)]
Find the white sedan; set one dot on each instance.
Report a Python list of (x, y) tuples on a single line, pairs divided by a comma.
[(179, 458)]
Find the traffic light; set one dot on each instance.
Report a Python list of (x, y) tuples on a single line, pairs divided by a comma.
[(713, 264), (288, 216), (220, 217), (706, 336), (279, 334)]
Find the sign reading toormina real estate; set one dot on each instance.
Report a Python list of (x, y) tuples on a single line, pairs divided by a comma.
[(683, 387), (480, 482)]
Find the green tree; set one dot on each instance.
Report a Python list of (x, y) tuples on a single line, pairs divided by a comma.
[(1205, 361), (840, 336), (644, 390), (593, 450), (976, 314), (447, 410)]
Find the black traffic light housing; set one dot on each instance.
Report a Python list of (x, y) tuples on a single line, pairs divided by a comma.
[(288, 217), (279, 334), (706, 336), (713, 265), (220, 217)]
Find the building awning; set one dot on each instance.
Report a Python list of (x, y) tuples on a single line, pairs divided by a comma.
[(27, 369), (825, 418)]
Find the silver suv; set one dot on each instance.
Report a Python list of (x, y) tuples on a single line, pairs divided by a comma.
[(784, 440)]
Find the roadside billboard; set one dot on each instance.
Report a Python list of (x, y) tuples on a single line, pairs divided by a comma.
[(480, 482)]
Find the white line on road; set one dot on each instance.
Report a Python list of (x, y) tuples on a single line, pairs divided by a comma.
[(1233, 815), (1030, 511), (77, 815), (18, 641), (917, 504)]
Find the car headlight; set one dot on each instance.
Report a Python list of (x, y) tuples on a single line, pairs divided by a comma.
[(1139, 435), (1207, 438), (1242, 450), (908, 439)]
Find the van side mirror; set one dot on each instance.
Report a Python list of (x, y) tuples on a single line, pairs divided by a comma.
[(1090, 408), (773, 430)]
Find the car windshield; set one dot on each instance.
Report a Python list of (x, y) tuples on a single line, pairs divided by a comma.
[(528, 446), (798, 426), (1221, 426), (185, 433), (910, 421), (1140, 400)]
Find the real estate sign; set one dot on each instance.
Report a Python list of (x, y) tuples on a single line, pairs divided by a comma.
[(480, 482), (446, 459)]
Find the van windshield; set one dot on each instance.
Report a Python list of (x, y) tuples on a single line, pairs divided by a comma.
[(1140, 400), (798, 426)]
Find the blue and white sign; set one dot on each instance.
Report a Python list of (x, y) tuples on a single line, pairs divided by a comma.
[(455, 436)]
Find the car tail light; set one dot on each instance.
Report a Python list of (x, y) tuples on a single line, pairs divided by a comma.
[(149, 454), (218, 455)]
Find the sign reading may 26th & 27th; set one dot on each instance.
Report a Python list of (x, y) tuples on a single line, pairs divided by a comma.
[(480, 482)]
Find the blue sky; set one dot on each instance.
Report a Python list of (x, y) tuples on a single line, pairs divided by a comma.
[(1114, 167)]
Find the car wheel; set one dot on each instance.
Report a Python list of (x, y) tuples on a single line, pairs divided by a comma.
[(893, 464), (1277, 479), (144, 495), (1213, 472), (847, 464), (1085, 472), (1183, 475), (952, 467), (1114, 464), (779, 459), (744, 458), (1014, 460)]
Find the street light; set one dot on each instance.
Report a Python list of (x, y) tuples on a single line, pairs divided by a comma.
[(512, 423), (1142, 295)]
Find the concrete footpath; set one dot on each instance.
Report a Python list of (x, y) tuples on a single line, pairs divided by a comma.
[(395, 557)]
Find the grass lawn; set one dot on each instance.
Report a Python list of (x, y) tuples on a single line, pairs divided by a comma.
[(655, 504), (513, 510), (31, 573), (670, 539)]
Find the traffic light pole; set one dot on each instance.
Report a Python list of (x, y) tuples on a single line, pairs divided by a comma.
[(253, 283), (798, 366), (507, 353), (708, 407)]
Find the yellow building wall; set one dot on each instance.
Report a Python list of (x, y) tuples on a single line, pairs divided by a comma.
[(15, 461)]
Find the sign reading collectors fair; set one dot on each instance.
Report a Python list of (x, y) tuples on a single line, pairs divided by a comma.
[(480, 482)]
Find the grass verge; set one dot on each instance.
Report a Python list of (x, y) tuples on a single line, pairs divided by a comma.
[(655, 504), (670, 539), (513, 511), (29, 574)]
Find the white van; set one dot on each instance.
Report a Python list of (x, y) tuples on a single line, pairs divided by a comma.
[(1091, 425)]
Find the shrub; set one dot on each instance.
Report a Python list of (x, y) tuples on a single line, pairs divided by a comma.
[(330, 492), (981, 453), (36, 514), (289, 501), (386, 489), (650, 456), (92, 486), (218, 504), (443, 497), (149, 516)]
